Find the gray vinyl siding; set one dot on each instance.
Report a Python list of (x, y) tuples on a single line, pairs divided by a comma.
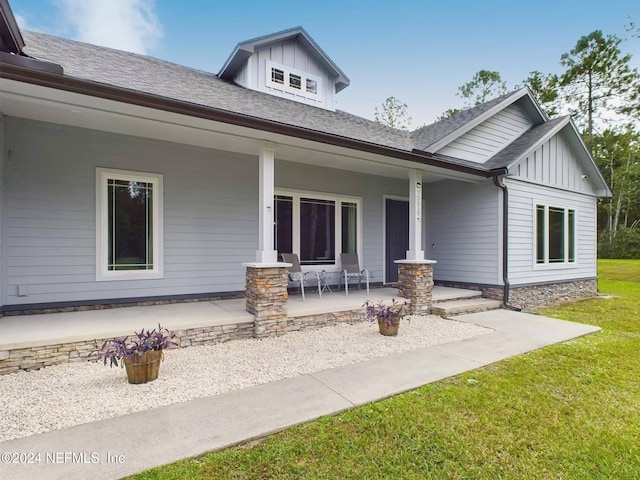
[(292, 54), (3, 153), (523, 196), (491, 136), (369, 187), (554, 163), (463, 231), (210, 212)]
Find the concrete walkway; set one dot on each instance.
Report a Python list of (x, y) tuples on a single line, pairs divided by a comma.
[(125, 445)]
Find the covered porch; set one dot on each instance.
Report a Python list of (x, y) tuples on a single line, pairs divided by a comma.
[(33, 341)]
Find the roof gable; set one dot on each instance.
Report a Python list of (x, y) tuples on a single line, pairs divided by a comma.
[(553, 153), (244, 50), (433, 138)]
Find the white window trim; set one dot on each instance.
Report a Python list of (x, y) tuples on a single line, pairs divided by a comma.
[(102, 228), (286, 86), (296, 195), (566, 264)]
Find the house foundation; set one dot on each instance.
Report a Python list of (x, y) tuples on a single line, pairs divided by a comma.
[(539, 295), (415, 283)]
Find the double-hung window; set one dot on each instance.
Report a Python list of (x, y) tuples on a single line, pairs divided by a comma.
[(317, 227), (128, 225), (555, 235)]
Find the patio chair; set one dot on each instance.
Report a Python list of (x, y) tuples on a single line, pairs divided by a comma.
[(297, 275), (351, 270)]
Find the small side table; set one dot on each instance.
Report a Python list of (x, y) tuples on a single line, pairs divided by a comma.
[(324, 285)]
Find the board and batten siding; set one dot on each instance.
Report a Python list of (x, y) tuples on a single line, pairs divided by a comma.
[(463, 231), (483, 141), (554, 163), (370, 188), (210, 213), (523, 198), (292, 54)]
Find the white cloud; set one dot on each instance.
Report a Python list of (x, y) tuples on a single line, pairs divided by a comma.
[(22, 22), (130, 25)]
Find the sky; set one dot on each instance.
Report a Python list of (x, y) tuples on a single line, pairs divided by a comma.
[(417, 51)]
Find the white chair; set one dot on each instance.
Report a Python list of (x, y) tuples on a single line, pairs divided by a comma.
[(297, 275), (351, 270)]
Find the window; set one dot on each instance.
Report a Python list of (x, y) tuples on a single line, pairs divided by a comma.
[(289, 80), (317, 227), (295, 81), (277, 75), (312, 86), (128, 225), (555, 235)]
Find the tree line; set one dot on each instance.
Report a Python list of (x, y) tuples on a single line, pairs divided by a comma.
[(600, 89)]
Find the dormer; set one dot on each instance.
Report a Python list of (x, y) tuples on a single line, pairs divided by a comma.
[(287, 64)]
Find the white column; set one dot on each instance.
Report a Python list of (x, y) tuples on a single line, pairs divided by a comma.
[(415, 251), (266, 252)]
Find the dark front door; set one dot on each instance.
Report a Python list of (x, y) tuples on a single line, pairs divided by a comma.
[(396, 235)]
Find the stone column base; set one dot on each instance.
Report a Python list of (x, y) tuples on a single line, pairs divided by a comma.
[(266, 298), (415, 283)]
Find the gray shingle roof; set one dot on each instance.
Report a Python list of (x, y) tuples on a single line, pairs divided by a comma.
[(158, 77)]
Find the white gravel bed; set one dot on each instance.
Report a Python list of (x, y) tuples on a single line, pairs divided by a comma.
[(70, 394)]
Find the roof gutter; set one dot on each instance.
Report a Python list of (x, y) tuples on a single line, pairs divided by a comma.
[(119, 94)]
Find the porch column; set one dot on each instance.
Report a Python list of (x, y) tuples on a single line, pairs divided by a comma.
[(266, 252), (415, 273), (415, 283), (267, 279), (415, 251), (266, 298)]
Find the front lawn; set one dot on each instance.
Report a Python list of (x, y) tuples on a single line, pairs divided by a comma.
[(569, 411)]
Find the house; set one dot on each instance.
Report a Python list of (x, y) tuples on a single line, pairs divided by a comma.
[(129, 179)]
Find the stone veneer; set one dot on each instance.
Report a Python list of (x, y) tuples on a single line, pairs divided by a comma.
[(33, 358), (267, 296), (415, 283), (539, 295)]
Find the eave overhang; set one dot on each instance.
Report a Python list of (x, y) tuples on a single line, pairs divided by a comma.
[(18, 73)]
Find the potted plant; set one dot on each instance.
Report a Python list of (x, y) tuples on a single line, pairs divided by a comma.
[(387, 316), (140, 356)]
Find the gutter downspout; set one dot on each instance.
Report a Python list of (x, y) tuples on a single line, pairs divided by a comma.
[(505, 243)]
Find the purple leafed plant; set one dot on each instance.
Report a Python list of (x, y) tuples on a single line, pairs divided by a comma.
[(115, 350), (381, 313)]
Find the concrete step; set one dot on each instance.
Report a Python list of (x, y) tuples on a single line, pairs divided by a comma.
[(462, 306), (445, 294)]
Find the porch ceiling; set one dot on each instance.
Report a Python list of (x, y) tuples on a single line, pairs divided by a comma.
[(68, 108)]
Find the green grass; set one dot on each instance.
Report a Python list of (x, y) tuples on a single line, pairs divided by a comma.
[(569, 411)]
